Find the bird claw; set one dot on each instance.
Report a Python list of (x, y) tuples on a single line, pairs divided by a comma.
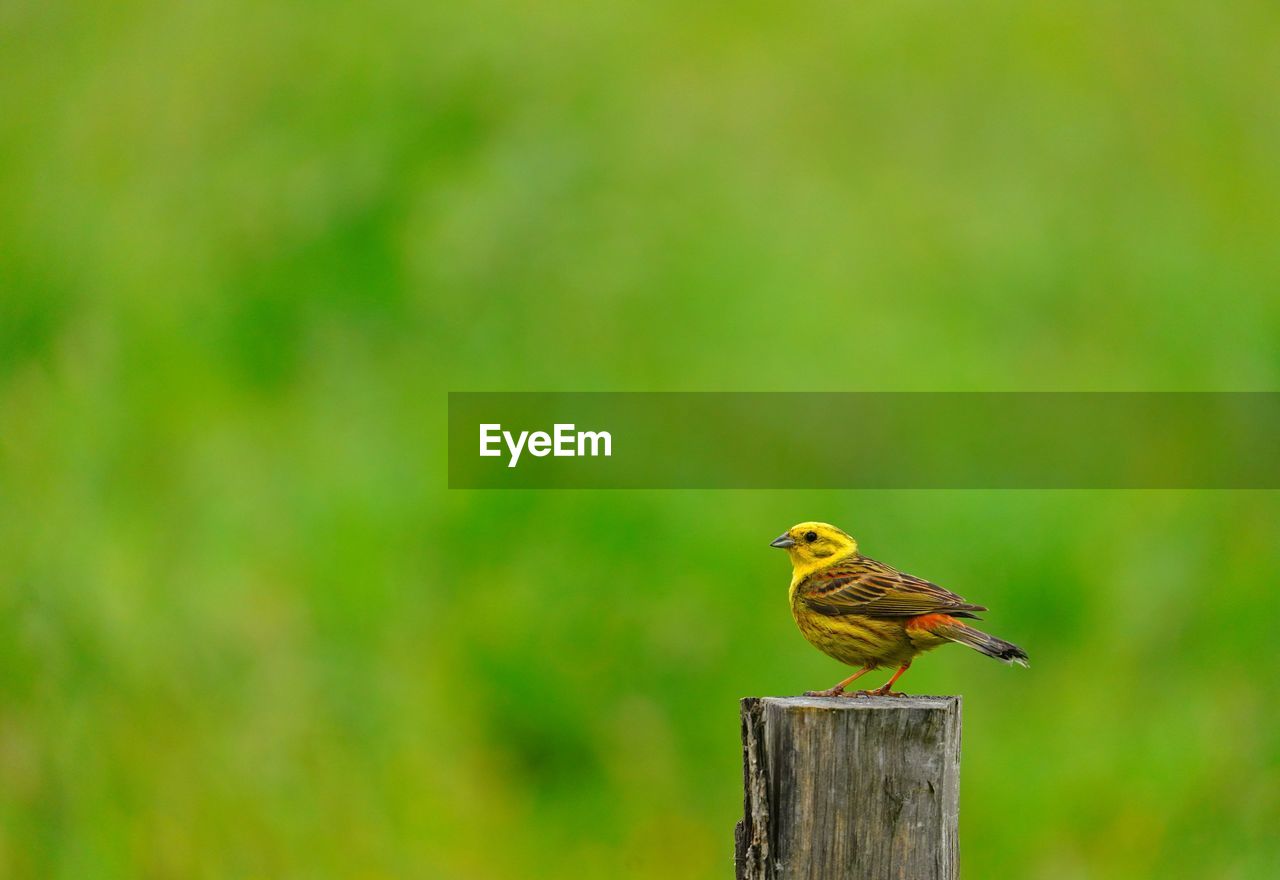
[(882, 691)]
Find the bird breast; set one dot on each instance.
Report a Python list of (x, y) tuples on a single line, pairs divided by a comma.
[(854, 639)]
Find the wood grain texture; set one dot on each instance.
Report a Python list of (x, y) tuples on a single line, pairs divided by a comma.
[(839, 788)]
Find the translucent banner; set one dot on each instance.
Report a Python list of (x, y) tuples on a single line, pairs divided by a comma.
[(763, 440)]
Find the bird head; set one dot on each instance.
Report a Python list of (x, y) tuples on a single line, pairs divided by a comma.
[(815, 542)]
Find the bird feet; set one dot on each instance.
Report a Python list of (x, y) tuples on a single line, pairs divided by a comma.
[(837, 692), (841, 692)]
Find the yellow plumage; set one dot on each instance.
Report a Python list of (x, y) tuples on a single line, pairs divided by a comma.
[(867, 614)]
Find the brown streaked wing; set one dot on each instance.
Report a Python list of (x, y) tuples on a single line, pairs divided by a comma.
[(862, 585)]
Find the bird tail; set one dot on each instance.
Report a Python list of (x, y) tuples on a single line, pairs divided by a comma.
[(1007, 652)]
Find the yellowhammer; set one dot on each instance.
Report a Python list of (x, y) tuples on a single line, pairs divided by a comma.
[(867, 614)]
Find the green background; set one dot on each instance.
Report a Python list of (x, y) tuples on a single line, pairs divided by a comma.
[(246, 248)]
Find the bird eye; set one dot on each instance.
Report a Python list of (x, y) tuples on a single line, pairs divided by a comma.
[(810, 537)]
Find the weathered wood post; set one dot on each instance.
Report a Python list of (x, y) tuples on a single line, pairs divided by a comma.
[(840, 788)]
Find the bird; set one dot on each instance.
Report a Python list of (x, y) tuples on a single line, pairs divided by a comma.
[(868, 614)]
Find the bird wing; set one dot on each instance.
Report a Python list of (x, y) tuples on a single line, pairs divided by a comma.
[(861, 585)]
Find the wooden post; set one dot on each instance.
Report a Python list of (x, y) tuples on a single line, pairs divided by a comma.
[(849, 788)]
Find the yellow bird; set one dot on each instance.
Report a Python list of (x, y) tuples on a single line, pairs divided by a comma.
[(866, 614)]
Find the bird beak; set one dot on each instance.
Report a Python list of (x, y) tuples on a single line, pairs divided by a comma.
[(783, 541)]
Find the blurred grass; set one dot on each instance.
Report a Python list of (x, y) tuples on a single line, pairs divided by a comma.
[(244, 630)]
